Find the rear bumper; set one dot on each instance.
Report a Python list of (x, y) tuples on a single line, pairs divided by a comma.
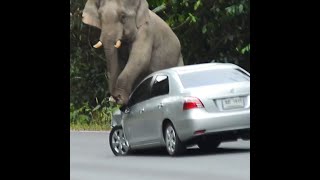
[(220, 136), (199, 119)]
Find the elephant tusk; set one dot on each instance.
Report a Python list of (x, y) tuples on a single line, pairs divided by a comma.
[(99, 44), (118, 44)]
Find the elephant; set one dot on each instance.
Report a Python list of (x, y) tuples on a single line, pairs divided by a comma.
[(135, 40)]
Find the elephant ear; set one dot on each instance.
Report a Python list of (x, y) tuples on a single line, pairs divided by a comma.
[(90, 14), (143, 15)]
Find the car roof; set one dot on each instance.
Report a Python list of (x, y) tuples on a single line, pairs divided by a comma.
[(191, 68), (195, 67)]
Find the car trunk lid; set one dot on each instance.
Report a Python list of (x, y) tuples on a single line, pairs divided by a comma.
[(222, 97)]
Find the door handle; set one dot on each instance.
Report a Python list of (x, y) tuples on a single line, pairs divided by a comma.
[(142, 110), (160, 105)]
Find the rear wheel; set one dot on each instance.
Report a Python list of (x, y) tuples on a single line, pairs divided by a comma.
[(118, 142), (173, 144)]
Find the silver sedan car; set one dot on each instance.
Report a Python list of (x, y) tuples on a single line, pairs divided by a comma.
[(203, 104)]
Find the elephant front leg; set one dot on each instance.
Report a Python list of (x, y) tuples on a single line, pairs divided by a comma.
[(138, 63)]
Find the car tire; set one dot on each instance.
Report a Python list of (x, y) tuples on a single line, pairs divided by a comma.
[(118, 142), (173, 144), (209, 145)]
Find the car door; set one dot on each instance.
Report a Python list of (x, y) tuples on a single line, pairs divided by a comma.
[(153, 110), (133, 121)]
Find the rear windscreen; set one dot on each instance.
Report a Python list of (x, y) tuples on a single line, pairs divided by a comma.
[(211, 77)]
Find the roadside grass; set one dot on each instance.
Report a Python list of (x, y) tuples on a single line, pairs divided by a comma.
[(89, 127), (87, 118)]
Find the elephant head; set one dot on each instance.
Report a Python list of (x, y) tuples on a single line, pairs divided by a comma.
[(119, 21)]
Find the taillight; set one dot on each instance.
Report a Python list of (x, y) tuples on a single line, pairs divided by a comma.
[(199, 132), (191, 103)]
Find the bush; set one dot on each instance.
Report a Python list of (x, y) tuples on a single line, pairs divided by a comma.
[(91, 118)]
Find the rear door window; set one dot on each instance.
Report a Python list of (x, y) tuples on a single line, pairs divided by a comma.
[(160, 86)]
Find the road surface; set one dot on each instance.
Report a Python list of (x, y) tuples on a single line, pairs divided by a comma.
[(92, 159)]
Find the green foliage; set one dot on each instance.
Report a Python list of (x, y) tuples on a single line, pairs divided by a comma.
[(207, 29), (245, 49)]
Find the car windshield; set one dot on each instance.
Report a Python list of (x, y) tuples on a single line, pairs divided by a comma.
[(212, 76)]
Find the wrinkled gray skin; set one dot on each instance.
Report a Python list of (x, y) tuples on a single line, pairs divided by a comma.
[(148, 43)]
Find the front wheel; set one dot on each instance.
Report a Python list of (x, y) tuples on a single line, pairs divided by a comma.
[(118, 142), (173, 144)]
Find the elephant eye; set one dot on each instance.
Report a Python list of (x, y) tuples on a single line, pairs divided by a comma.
[(122, 17)]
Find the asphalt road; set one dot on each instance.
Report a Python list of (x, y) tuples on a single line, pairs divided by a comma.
[(92, 159)]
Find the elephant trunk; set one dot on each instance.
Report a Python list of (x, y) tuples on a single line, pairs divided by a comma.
[(111, 43), (112, 65)]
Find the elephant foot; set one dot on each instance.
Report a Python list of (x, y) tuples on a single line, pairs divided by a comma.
[(121, 97), (121, 101)]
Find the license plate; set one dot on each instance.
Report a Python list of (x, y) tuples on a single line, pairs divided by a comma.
[(232, 103)]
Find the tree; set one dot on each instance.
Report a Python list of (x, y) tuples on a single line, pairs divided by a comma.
[(209, 29)]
